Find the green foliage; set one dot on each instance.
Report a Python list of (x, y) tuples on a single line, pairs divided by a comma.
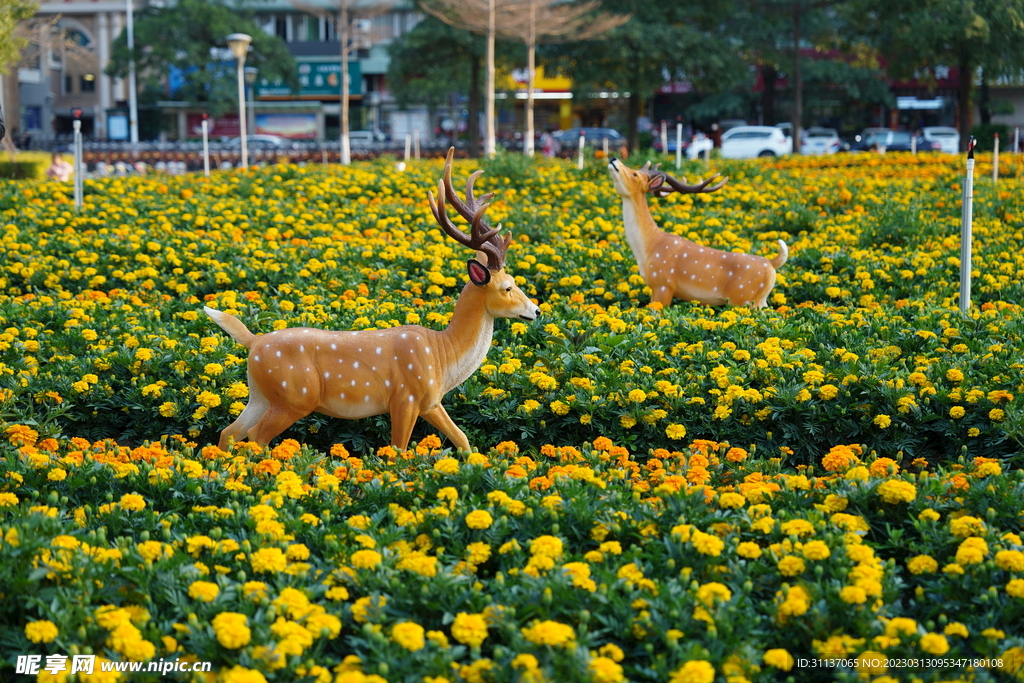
[(984, 136), (515, 167), (12, 42)]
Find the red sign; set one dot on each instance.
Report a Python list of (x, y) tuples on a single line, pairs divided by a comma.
[(223, 127)]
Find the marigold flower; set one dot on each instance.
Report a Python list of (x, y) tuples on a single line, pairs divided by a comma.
[(409, 635), (203, 591), (696, 671), (232, 629), (469, 629), (479, 519), (779, 658), (549, 633), (43, 631)]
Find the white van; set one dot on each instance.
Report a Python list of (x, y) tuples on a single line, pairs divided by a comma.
[(947, 137), (744, 142)]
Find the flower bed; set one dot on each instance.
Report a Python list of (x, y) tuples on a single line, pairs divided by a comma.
[(660, 494)]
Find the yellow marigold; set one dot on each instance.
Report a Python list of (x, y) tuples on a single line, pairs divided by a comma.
[(479, 519), (712, 592), (605, 670), (696, 671), (922, 564), (965, 526), (675, 431), (232, 629), (897, 491), (934, 644), (409, 635), (41, 631), (882, 421), (203, 591), (132, 502), (707, 544), (955, 628), (549, 633), (365, 559), (816, 550), (1010, 560), (731, 500), (1015, 588), (447, 466), (469, 629), (749, 550), (268, 560), (779, 658), (546, 546), (791, 565), (854, 595), (240, 674), (798, 527)]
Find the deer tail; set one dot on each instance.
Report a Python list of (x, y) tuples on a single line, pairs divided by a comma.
[(783, 256), (232, 325)]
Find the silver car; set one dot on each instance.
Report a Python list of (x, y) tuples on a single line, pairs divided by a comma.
[(947, 137)]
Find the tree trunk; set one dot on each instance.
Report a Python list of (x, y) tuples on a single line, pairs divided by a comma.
[(798, 86), (489, 137), (531, 56), (768, 77), (984, 102), (964, 98), (473, 126), (346, 154), (632, 132)]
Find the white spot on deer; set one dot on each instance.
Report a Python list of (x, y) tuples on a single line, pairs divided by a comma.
[(404, 335), (334, 346), (256, 358), (430, 383), (367, 384), (353, 382), (730, 273), (355, 364), (410, 366), (672, 271), (359, 350), (366, 399), (427, 349), (284, 384), (378, 350), (302, 348), (309, 369), (327, 375), (278, 354), (411, 398), (303, 389), (387, 383), (291, 367), (693, 277), (342, 394), (701, 250)]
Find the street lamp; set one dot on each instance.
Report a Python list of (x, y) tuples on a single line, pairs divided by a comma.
[(250, 80), (239, 44)]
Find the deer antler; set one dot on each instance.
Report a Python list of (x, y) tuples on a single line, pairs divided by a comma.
[(482, 236), (683, 187)]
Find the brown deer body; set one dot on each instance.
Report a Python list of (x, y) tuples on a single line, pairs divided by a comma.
[(405, 371), (675, 267)]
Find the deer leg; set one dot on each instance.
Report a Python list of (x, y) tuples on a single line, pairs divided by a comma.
[(273, 422), (440, 419), (661, 294), (403, 419), (254, 411)]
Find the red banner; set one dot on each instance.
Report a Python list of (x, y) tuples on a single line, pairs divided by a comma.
[(222, 127)]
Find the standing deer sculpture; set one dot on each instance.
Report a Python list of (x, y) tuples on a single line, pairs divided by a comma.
[(675, 267), (405, 371)]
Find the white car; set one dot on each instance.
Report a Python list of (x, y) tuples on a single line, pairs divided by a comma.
[(701, 143), (947, 137), (745, 142), (820, 141)]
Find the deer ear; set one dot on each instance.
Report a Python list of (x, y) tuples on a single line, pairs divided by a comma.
[(478, 273), (655, 182)]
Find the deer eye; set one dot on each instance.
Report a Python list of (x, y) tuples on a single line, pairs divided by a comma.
[(509, 288)]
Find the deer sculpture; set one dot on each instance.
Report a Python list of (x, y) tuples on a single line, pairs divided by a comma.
[(405, 371), (675, 267)]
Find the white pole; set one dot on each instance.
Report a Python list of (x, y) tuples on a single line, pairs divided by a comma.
[(913, 144), (416, 143), (664, 138), (133, 104), (965, 231), (604, 147), (408, 146), (995, 159), (77, 180), (707, 156), (241, 113), (206, 148), (583, 142), (679, 146), (1016, 140)]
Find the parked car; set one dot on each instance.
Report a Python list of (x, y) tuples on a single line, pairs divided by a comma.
[(692, 147), (820, 141), (263, 141), (358, 138), (592, 137), (947, 137), (893, 141), (744, 142)]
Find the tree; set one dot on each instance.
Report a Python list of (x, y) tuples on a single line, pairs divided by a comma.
[(481, 16), (184, 36), (434, 60), (554, 21), (13, 40), (348, 11), (660, 42), (917, 36)]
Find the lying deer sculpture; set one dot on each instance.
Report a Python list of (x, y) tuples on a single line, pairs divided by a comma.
[(404, 371), (675, 267)]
